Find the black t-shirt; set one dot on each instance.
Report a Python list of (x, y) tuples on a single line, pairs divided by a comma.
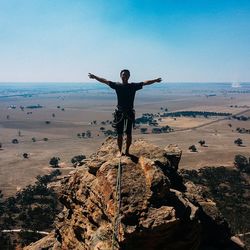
[(125, 94)]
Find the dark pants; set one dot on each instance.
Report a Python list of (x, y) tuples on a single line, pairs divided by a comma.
[(122, 119)]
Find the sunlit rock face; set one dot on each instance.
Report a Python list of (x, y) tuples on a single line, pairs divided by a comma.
[(157, 210)]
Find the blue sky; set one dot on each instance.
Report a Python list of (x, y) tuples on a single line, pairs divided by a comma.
[(63, 40)]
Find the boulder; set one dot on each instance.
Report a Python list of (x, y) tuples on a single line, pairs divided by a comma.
[(156, 211)]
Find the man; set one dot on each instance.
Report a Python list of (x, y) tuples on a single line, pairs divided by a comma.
[(124, 115)]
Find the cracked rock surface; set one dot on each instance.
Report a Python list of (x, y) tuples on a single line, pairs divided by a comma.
[(157, 210)]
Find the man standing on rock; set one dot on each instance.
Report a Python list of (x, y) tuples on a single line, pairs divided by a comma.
[(124, 114)]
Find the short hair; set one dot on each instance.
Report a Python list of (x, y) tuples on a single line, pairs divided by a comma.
[(125, 71)]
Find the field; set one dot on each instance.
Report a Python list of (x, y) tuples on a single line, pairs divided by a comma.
[(69, 113)]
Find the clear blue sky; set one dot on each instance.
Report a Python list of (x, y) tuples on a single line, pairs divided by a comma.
[(178, 40)]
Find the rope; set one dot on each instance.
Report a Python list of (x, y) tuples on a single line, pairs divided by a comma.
[(116, 122), (116, 222), (124, 115)]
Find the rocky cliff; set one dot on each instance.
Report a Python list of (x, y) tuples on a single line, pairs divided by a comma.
[(157, 210)]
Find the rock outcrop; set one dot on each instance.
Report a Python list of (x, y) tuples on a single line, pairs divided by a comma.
[(157, 210)]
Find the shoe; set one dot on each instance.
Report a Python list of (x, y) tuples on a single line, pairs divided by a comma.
[(127, 153)]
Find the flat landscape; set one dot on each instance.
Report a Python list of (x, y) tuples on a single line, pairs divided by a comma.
[(49, 120)]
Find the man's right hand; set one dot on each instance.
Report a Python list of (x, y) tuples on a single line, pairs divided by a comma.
[(99, 79), (92, 76)]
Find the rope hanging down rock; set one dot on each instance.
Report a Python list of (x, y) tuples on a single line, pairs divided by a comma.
[(116, 222)]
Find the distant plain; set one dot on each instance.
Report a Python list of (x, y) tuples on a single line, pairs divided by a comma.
[(75, 106)]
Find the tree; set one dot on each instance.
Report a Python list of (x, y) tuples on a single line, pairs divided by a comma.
[(45, 179), (156, 130), (202, 142), (143, 130), (102, 128), (193, 148), (165, 129), (33, 139), (1, 145), (88, 133), (110, 133), (242, 163), (1, 203), (15, 141), (77, 160), (25, 155), (54, 161), (153, 123), (34, 207), (238, 142)]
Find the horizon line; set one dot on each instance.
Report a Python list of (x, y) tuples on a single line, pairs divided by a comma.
[(35, 82)]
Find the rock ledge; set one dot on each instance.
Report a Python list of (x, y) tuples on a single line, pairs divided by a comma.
[(157, 210)]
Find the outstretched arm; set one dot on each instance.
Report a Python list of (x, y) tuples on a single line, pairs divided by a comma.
[(151, 81), (99, 79)]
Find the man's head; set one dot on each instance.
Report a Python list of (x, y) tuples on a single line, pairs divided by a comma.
[(125, 74)]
